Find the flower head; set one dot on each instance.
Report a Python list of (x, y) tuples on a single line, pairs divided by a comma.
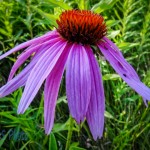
[(69, 47), (81, 26)]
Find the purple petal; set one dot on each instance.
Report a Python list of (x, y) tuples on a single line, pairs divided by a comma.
[(20, 79), (113, 46), (78, 82), (118, 55), (96, 108), (39, 73), (124, 69), (25, 55), (30, 42), (51, 90)]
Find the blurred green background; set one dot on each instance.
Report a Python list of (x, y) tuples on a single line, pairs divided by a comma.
[(127, 119)]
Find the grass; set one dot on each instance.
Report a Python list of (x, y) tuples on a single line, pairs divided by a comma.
[(127, 121)]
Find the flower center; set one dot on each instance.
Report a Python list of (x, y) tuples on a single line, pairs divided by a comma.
[(81, 26)]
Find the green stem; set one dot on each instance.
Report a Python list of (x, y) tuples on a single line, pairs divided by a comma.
[(71, 123)]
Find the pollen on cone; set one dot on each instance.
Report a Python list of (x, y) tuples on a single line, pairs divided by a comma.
[(81, 26)]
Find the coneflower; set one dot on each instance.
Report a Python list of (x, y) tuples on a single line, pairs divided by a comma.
[(69, 47)]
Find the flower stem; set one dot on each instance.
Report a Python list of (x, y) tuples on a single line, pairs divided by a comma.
[(71, 123)]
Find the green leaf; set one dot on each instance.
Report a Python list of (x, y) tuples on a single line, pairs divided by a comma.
[(4, 138), (52, 142), (4, 32), (111, 77), (62, 99), (25, 145), (59, 4), (82, 4), (113, 34), (103, 5), (126, 45), (108, 115), (60, 127), (111, 23), (74, 146), (50, 17)]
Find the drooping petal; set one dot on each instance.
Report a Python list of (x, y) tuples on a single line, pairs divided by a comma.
[(113, 46), (51, 90), (14, 84), (117, 54), (25, 55), (20, 79), (28, 43), (124, 69), (78, 82), (96, 108), (39, 73)]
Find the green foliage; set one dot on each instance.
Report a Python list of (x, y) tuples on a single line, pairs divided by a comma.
[(127, 121)]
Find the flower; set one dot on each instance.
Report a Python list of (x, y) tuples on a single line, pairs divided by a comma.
[(69, 47)]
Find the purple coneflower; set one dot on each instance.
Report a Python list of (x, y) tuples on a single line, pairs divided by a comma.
[(69, 47)]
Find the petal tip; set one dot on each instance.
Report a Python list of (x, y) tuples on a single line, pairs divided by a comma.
[(47, 131), (20, 110)]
